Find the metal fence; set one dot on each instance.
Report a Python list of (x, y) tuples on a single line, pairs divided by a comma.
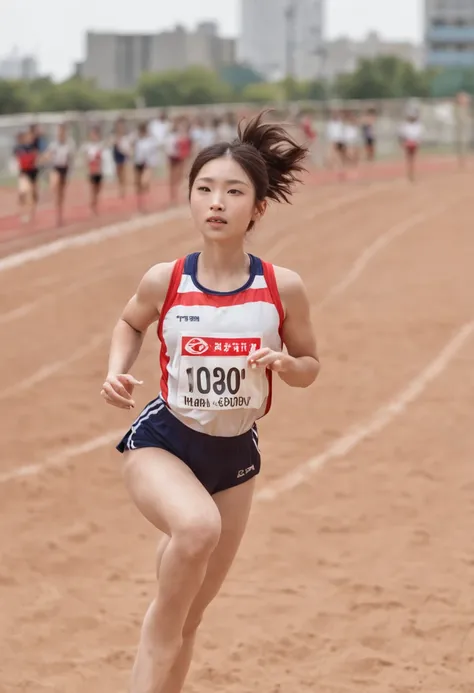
[(448, 127)]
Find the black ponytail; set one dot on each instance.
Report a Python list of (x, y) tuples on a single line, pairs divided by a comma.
[(271, 158), (282, 155)]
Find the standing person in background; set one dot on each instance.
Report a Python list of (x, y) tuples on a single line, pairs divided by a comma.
[(202, 133), (60, 154), (40, 142), (337, 149), (351, 138), (94, 150), (410, 136), (226, 128), (121, 149), (178, 148), (144, 151), (369, 136), (310, 135), (27, 157), (159, 129)]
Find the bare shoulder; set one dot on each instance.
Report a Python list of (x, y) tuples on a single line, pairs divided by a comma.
[(155, 282), (290, 284)]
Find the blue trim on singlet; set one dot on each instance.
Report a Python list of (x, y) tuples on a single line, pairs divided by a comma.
[(190, 268)]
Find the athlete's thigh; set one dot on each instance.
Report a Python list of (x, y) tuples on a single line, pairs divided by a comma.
[(234, 506), (167, 492)]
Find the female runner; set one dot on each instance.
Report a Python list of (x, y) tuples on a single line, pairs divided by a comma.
[(192, 455)]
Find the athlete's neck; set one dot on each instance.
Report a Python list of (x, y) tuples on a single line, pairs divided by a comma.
[(223, 268)]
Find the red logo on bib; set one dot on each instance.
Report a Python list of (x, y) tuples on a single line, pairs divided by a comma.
[(196, 346), (215, 346)]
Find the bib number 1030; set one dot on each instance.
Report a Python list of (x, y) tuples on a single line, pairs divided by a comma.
[(203, 381)]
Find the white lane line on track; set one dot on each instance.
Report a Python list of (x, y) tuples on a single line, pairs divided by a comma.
[(377, 422), (381, 242), (382, 417), (138, 224), (89, 238), (23, 310), (50, 369), (355, 271)]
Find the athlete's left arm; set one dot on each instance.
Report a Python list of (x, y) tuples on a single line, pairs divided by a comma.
[(299, 367)]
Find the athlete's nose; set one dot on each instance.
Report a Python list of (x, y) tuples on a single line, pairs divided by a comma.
[(217, 206)]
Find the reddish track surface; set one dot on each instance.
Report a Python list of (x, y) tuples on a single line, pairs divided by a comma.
[(15, 235), (357, 570)]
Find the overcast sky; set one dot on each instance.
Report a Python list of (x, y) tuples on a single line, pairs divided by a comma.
[(54, 29)]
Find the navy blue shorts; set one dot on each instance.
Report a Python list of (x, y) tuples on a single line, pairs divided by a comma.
[(218, 463)]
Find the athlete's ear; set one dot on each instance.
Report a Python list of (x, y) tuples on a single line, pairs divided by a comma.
[(260, 209)]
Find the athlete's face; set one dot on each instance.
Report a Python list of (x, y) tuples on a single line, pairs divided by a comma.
[(223, 200)]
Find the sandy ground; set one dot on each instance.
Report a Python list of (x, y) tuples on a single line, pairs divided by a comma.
[(357, 568)]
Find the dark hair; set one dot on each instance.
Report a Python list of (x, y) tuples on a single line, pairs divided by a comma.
[(270, 157)]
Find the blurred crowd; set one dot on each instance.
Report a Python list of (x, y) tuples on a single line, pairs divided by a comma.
[(133, 154)]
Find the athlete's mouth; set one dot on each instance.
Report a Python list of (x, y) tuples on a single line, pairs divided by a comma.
[(216, 220)]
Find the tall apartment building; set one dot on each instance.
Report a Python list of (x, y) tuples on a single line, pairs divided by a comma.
[(449, 33), (281, 37), (16, 66), (117, 61)]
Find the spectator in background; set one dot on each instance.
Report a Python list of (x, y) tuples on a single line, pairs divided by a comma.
[(351, 137), (336, 156), (310, 135), (27, 157), (143, 162), (410, 136), (94, 150), (178, 148), (60, 154), (369, 137), (121, 149), (159, 129)]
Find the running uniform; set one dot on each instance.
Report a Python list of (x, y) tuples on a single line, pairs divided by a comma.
[(411, 134), (144, 153), (94, 155), (62, 154), (27, 157), (210, 399)]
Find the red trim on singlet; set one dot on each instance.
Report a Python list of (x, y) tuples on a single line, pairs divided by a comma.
[(198, 298), (171, 294), (269, 274)]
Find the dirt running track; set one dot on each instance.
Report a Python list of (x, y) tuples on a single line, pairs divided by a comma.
[(357, 570)]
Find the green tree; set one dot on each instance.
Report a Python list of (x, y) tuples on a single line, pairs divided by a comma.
[(381, 78), (194, 86), (72, 95), (13, 97), (263, 92), (239, 76)]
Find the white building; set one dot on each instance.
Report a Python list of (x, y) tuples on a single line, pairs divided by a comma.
[(16, 66), (281, 37)]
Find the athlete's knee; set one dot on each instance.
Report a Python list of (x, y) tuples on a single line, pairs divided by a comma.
[(192, 623), (197, 535)]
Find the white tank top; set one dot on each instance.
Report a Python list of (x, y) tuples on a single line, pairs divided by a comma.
[(206, 337)]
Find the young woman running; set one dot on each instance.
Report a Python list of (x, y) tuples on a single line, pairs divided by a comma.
[(121, 148), (144, 150), (94, 150), (192, 455), (60, 154), (411, 135), (27, 156)]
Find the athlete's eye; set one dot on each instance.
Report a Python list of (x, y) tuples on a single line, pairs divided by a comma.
[(204, 188), (235, 192)]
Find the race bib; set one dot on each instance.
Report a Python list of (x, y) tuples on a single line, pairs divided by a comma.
[(214, 373)]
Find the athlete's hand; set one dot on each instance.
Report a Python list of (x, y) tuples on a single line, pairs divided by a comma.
[(276, 361), (117, 390)]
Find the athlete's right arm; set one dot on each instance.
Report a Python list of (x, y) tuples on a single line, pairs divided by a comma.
[(141, 311)]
